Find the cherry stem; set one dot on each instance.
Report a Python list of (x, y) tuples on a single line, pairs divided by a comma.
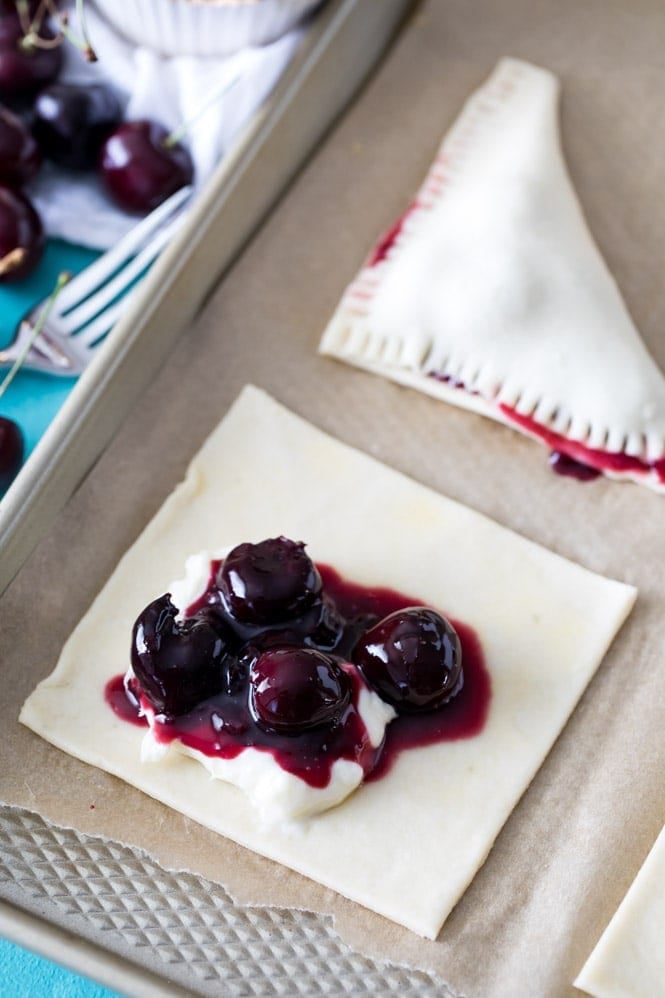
[(33, 40), (61, 18), (31, 27), (10, 261), (179, 132), (28, 27), (88, 50), (63, 278)]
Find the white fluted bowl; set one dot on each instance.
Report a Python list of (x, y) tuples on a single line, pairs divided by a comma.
[(203, 27)]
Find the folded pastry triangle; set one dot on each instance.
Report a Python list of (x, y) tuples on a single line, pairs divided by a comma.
[(489, 292)]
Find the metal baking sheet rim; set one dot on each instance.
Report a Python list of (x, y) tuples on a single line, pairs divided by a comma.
[(54, 943), (313, 91)]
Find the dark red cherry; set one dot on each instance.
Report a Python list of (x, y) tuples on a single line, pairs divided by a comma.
[(20, 157), (25, 70), (141, 168), (178, 664), (295, 689), (71, 122), (322, 627), (412, 658), (21, 236), (11, 7), (12, 449), (269, 582)]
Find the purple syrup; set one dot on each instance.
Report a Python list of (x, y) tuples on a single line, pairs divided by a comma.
[(600, 460), (389, 238), (223, 725), (570, 457), (462, 717), (568, 466), (122, 703)]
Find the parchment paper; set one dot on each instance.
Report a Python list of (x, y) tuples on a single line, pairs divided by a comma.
[(571, 848)]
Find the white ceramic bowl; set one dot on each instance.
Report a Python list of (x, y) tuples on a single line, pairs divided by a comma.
[(203, 27)]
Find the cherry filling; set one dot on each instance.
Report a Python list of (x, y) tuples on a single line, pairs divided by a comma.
[(389, 238), (612, 462), (179, 664), (413, 658), (268, 582), (565, 465), (570, 457), (294, 689), (275, 654)]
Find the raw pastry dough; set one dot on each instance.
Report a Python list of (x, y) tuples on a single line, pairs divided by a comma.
[(629, 960), (490, 293), (407, 845)]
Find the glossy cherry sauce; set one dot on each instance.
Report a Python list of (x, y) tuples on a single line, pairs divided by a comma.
[(390, 237), (570, 457), (462, 717), (608, 461), (567, 466), (223, 726)]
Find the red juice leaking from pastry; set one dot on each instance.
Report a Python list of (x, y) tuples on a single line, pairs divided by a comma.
[(567, 466), (571, 458), (602, 461)]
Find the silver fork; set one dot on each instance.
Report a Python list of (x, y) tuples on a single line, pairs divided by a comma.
[(90, 304)]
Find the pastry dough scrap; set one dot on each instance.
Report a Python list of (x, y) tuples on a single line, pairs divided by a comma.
[(629, 959), (408, 844), (490, 292)]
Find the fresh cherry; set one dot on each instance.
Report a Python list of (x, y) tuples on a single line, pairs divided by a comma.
[(412, 658), (20, 157), (178, 664), (25, 70), (21, 236), (269, 582), (10, 7), (12, 448), (295, 689), (141, 167), (71, 122)]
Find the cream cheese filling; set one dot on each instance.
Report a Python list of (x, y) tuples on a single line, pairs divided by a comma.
[(279, 797)]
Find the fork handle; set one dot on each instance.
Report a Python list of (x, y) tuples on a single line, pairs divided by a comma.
[(44, 355), (9, 355), (13, 351)]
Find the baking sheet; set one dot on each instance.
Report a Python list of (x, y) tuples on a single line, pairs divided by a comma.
[(63, 947), (341, 44), (571, 848)]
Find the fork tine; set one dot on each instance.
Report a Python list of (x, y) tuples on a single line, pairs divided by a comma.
[(77, 318), (98, 272), (102, 325)]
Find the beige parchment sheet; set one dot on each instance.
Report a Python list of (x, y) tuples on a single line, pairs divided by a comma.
[(576, 840)]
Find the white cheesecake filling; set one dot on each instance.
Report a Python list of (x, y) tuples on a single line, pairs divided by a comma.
[(278, 796), (194, 582)]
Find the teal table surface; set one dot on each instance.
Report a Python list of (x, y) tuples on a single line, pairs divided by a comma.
[(33, 399), (25, 975)]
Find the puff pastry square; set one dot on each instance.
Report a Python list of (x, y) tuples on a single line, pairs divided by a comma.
[(408, 844), (629, 959), (490, 293)]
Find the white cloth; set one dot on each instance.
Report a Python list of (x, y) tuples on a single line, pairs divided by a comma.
[(170, 90)]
